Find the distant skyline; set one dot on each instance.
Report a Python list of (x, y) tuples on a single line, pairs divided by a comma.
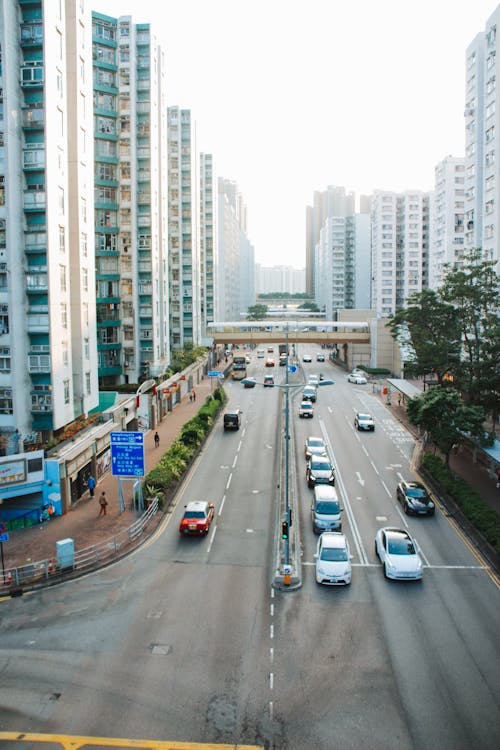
[(292, 96)]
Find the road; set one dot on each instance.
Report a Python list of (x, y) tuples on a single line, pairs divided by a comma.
[(186, 639)]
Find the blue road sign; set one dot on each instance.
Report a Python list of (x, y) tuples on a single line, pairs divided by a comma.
[(127, 454), (3, 527), (214, 373), (4, 537), (292, 368)]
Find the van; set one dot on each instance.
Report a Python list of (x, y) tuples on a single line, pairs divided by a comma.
[(232, 419), (325, 510), (261, 353)]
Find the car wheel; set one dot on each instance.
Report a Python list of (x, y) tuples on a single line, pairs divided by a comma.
[(406, 509), (376, 550), (385, 572)]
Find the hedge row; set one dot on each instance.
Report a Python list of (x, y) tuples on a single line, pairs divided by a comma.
[(485, 519), (166, 475)]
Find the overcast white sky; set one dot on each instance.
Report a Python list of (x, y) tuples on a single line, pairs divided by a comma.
[(293, 95)]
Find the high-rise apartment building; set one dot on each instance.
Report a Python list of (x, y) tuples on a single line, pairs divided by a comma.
[(342, 264), (400, 237), (334, 201), (236, 275), (130, 131), (269, 279), (48, 373), (447, 218), (183, 231), (208, 242), (482, 132)]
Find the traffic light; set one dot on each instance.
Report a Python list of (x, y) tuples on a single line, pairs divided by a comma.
[(284, 530)]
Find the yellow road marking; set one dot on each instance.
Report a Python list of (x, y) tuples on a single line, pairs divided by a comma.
[(73, 742)]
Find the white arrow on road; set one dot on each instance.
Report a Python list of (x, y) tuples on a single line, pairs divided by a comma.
[(361, 481)]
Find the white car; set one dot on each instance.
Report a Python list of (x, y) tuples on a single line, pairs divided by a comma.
[(364, 422), (307, 358), (313, 380), (306, 410), (398, 553), (333, 559), (357, 377)]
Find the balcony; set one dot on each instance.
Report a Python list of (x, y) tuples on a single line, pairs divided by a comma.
[(35, 200), (38, 323), (33, 118), (39, 363)]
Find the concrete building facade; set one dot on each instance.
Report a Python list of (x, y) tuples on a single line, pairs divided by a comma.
[(482, 132), (447, 217)]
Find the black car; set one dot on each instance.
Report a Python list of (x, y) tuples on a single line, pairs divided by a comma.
[(415, 499)]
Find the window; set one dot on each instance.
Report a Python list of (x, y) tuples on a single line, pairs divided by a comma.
[(87, 383), (84, 245), (490, 134), (4, 358), (4, 319), (64, 315), (66, 391), (85, 279), (86, 349), (65, 354), (6, 403), (62, 240), (62, 276)]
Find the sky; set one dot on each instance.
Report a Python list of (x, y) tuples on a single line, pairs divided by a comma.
[(291, 96)]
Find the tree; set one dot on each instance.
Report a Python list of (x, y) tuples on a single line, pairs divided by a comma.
[(429, 328), (474, 291), (257, 312), (311, 306), (442, 413)]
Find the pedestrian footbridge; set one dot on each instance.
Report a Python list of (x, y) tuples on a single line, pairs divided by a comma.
[(295, 332)]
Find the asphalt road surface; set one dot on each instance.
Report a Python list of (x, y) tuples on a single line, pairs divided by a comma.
[(187, 640)]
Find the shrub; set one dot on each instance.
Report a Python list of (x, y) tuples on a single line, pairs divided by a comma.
[(484, 518)]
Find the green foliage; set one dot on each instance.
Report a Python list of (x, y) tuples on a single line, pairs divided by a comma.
[(484, 518), (309, 305), (441, 412), (166, 475), (257, 312), (430, 330), (183, 358)]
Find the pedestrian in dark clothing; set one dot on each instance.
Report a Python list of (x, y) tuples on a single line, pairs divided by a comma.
[(103, 503), (157, 440), (191, 397), (91, 485), (194, 394)]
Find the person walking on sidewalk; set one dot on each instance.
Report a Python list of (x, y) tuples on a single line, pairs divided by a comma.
[(193, 393), (157, 440), (103, 503), (91, 485)]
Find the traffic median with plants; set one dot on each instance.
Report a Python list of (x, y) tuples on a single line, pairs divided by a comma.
[(163, 480)]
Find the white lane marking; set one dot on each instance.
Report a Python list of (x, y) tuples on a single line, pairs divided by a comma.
[(272, 593), (234, 462), (360, 480), (271, 710), (330, 409), (386, 488), (419, 548), (272, 610), (222, 505), (375, 468), (400, 476), (271, 681), (211, 540), (243, 433), (401, 515), (271, 631), (347, 505), (271, 654), (228, 481), (239, 447), (364, 450)]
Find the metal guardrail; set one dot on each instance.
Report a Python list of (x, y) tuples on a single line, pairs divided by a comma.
[(46, 572)]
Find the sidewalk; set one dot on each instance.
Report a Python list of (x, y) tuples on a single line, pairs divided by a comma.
[(461, 463), (82, 523)]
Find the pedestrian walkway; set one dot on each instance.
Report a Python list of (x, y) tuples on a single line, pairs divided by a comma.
[(461, 463), (82, 523)]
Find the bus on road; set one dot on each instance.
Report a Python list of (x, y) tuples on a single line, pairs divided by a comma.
[(239, 368)]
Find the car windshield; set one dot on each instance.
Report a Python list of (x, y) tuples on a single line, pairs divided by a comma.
[(333, 554), (328, 508), (364, 417), (416, 492), (194, 514), (400, 546), (315, 443), (320, 465), (306, 406)]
